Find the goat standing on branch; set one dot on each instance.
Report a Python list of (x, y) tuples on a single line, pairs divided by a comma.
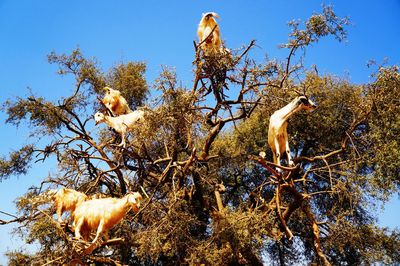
[(208, 32), (67, 200), (277, 131), (114, 102), (103, 214), (122, 124)]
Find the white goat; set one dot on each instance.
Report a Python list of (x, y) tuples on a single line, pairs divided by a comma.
[(277, 131), (114, 102), (122, 124), (103, 214), (67, 200)]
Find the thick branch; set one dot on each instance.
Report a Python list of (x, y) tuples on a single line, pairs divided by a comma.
[(289, 233), (210, 139), (298, 200), (316, 232)]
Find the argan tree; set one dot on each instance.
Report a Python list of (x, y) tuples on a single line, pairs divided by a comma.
[(209, 198)]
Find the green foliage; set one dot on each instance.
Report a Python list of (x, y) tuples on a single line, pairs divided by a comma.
[(17, 163), (41, 113), (364, 244), (16, 258), (129, 80), (44, 116), (236, 235), (85, 71), (317, 26), (384, 127)]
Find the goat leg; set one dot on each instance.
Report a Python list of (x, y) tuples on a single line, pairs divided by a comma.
[(289, 158), (277, 154), (99, 231)]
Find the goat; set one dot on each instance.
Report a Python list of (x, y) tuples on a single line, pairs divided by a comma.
[(122, 124), (277, 131), (67, 200), (115, 102), (210, 41), (103, 214)]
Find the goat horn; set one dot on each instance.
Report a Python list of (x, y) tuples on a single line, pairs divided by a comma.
[(215, 15)]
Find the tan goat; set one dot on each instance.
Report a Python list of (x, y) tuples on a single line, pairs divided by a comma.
[(103, 214), (67, 200), (277, 131), (210, 40), (115, 102)]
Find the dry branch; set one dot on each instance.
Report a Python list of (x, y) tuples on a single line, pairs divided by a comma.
[(316, 235)]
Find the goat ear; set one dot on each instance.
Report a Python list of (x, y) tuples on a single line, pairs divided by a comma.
[(132, 198)]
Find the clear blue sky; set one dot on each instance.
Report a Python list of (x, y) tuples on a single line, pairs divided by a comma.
[(162, 33)]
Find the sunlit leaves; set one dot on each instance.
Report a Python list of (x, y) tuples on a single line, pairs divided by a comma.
[(17, 162), (129, 80), (317, 26)]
